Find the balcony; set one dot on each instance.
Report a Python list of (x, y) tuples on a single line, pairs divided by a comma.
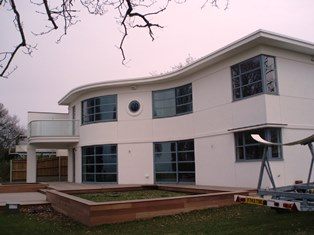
[(53, 133)]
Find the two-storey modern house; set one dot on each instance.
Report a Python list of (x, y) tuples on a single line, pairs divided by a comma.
[(192, 125)]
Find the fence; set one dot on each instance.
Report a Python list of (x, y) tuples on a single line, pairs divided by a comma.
[(48, 169)]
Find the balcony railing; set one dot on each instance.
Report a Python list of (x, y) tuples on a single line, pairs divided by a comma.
[(53, 128)]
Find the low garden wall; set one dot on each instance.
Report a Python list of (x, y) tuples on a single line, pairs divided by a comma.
[(96, 213)]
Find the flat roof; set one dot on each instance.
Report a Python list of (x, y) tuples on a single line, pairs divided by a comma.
[(259, 37)]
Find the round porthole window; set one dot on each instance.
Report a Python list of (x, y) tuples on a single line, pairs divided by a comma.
[(134, 106)]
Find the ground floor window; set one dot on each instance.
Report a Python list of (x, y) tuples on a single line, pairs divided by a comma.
[(248, 149), (174, 161), (99, 163)]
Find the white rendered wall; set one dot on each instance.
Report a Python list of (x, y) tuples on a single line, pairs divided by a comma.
[(135, 164), (214, 115)]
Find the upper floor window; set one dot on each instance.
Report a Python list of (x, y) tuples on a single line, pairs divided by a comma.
[(248, 149), (99, 109), (172, 102), (254, 76)]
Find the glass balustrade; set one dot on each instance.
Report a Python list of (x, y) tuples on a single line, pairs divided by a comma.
[(53, 128)]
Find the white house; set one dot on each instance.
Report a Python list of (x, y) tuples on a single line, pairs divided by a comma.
[(191, 125)]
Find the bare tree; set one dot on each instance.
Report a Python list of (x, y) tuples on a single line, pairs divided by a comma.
[(188, 60), (10, 131), (62, 14)]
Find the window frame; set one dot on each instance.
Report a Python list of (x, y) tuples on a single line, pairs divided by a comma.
[(262, 70), (94, 113), (176, 97), (267, 133), (95, 164), (176, 162)]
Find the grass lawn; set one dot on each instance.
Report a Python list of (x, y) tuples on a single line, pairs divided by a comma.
[(239, 219), (129, 195)]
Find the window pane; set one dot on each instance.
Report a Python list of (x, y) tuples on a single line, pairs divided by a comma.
[(109, 99), (251, 77), (185, 145), (165, 147), (165, 157), (106, 159), (166, 177), (88, 150), (235, 70), (254, 152), (184, 108), (250, 64), (105, 108), (88, 177), (235, 82), (186, 177), (106, 177), (99, 109), (88, 159), (186, 156), (90, 102), (274, 135), (239, 139), (165, 167), (105, 116), (237, 93), (164, 94), (88, 169), (184, 99), (89, 118), (270, 74), (189, 166), (106, 168), (184, 90), (240, 153), (252, 89)]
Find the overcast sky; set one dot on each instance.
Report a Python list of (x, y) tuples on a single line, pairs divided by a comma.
[(88, 53)]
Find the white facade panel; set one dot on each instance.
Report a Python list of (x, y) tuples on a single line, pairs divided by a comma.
[(214, 118), (135, 164)]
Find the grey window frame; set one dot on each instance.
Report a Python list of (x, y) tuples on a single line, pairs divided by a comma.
[(262, 69), (95, 164), (176, 97), (94, 113), (267, 133), (177, 162)]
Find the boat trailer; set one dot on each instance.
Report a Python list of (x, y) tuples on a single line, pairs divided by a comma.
[(296, 197)]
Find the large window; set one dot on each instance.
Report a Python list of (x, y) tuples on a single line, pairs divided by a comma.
[(99, 163), (172, 102), (174, 161), (99, 109), (248, 149), (254, 76)]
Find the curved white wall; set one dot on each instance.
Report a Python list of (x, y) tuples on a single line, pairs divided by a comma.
[(214, 114)]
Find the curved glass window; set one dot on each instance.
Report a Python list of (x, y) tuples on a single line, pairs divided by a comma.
[(99, 109), (99, 163), (172, 102)]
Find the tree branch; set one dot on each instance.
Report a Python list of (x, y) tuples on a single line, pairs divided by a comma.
[(22, 44)]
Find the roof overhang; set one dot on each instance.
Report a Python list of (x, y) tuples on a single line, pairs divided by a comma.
[(259, 37)]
